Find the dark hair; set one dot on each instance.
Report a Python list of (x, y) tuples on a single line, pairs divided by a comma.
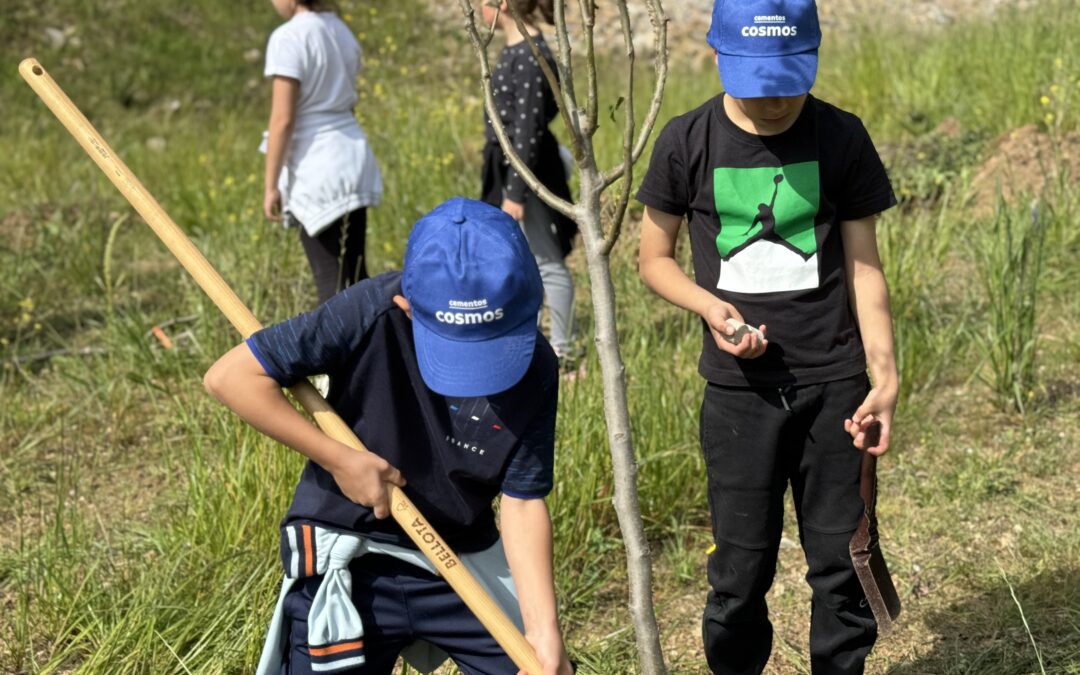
[(529, 8), (317, 5)]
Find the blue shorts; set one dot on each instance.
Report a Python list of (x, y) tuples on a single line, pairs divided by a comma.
[(398, 604)]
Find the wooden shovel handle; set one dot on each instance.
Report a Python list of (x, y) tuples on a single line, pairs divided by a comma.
[(401, 507)]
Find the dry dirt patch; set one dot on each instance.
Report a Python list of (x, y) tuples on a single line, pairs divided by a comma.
[(1025, 162)]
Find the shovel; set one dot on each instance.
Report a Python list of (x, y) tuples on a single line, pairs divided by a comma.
[(866, 554)]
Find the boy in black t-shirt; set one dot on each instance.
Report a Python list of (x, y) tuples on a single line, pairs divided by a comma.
[(781, 191), (441, 371)]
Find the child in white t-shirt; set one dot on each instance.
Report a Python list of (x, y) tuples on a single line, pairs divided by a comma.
[(320, 171)]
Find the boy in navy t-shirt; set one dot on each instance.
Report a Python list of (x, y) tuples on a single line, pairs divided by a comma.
[(441, 371), (780, 191)]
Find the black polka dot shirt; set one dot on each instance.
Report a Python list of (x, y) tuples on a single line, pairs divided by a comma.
[(526, 106)]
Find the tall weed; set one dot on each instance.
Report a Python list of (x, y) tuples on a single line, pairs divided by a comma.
[(1010, 264)]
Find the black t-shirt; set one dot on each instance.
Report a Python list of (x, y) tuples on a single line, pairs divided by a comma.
[(457, 454), (764, 215)]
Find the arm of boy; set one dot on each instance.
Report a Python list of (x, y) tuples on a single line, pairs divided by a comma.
[(526, 532), (871, 425), (239, 381), (284, 95), (662, 273)]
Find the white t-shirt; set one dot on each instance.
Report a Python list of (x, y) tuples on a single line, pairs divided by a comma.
[(329, 167), (318, 49)]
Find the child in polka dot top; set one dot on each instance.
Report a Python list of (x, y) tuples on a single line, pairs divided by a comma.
[(526, 106)]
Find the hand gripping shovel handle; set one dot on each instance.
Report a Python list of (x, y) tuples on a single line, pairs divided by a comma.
[(404, 511)]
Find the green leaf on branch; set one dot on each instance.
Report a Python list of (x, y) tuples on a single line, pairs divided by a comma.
[(615, 108)]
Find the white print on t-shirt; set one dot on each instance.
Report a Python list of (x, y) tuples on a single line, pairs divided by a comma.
[(466, 445), (768, 267)]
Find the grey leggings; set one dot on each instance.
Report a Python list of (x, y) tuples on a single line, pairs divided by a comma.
[(558, 284)]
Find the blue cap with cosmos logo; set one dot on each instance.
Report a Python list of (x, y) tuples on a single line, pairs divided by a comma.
[(766, 47), (475, 292)]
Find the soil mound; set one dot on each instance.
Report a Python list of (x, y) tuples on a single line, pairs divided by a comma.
[(1024, 163)]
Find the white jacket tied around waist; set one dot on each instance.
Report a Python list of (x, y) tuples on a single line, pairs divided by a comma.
[(329, 171), (335, 631)]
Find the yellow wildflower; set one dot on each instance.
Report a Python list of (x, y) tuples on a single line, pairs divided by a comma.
[(1045, 100), (1049, 118)]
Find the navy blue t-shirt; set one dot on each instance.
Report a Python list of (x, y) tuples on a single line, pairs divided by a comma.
[(457, 454)]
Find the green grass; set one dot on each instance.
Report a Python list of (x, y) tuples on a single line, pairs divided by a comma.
[(139, 517)]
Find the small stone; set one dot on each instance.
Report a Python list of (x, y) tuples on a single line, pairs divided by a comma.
[(156, 143), (786, 544), (741, 329)]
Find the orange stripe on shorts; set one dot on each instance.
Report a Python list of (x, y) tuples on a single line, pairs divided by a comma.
[(308, 571), (335, 649)]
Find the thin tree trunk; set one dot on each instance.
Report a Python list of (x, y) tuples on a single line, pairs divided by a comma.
[(581, 125), (617, 418)]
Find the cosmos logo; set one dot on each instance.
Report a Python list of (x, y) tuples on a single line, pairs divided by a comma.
[(773, 25), (467, 318)]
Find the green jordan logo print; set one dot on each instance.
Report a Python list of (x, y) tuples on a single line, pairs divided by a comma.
[(767, 242)]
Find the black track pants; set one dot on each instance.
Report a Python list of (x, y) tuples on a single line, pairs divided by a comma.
[(755, 441)]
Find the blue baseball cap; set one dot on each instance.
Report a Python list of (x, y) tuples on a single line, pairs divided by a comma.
[(475, 292), (766, 47)]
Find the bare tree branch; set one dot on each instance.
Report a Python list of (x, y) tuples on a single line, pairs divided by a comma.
[(566, 77), (628, 132), (559, 204), (659, 22), (588, 21), (576, 136), (491, 29)]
